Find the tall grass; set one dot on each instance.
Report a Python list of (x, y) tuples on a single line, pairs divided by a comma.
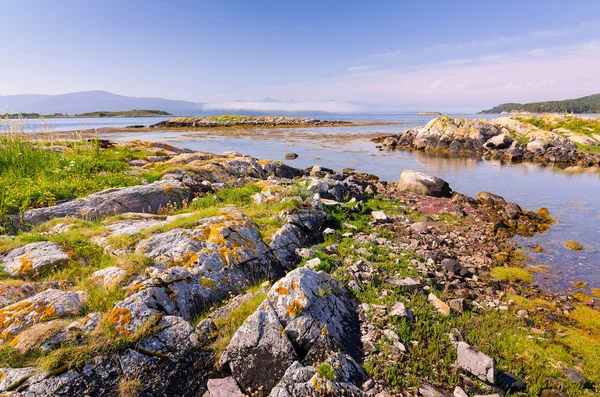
[(38, 172)]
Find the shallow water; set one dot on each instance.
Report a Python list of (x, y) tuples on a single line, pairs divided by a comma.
[(73, 124), (572, 196)]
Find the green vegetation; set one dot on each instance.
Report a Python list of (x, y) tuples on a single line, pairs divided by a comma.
[(98, 114), (500, 334), (571, 123), (227, 326), (511, 274), (587, 104), (326, 371), (230, 118), (40, 173)]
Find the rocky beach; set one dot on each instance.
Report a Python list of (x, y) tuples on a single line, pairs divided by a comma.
[(226, 275), (513, 139)]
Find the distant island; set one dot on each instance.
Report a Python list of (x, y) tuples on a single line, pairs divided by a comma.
[(429, 114), (98, 114), (587, 104)]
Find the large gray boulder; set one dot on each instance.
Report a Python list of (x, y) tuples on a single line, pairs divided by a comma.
[(501, 141), (141, 198), (476, 363), (309, 309), (33, 258), (423, 184), (260, 343)]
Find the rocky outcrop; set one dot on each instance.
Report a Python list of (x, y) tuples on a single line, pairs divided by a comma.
[(302, 228), (242, 121), (497, 138), (300, 380), (422, 183), (33, 258), (193, 268), (305, 315), (42, 307), (142, 198)]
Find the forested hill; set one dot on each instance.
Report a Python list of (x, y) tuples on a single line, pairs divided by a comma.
[(587, 104)]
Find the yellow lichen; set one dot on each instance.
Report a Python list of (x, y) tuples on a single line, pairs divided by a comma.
[(579, 284), (281, 290), (574, 245), (294, 308), (208, 282), (26, 264), (119, 317)]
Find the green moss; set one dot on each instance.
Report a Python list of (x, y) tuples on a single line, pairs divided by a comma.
[(572, 123), (522, 139), (326, 371), (511, 274)]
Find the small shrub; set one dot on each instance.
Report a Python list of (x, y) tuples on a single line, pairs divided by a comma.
[(326, 371)]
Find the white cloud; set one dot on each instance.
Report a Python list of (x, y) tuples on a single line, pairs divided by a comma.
[(433, 86)]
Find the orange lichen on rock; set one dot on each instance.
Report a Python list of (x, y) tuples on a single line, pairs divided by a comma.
[(26, 264), (294, 308), (119, 317), (281, 290)]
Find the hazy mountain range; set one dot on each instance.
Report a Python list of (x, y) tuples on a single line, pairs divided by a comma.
[(91, 101), (94, 101)]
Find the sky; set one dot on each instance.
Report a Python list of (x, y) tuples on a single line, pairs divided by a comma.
[(332, 55)]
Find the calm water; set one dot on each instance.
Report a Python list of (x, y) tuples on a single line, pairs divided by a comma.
[(73, 124), (573, 198)]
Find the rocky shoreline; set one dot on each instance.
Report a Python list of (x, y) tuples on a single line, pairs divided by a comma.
[(339, 283), (245, 121), (503, 138)]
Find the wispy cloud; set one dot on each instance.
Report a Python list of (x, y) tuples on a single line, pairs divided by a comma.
[(492, 42), (476, 83), (434, 86), (538, 52), (357, 68)]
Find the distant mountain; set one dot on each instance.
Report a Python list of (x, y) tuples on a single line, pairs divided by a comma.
[(587, 104), (92, 101)]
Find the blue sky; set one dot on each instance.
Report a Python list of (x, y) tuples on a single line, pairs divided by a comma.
[(392, 54)]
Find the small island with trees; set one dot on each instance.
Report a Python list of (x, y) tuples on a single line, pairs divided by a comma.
[(587, 104)]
